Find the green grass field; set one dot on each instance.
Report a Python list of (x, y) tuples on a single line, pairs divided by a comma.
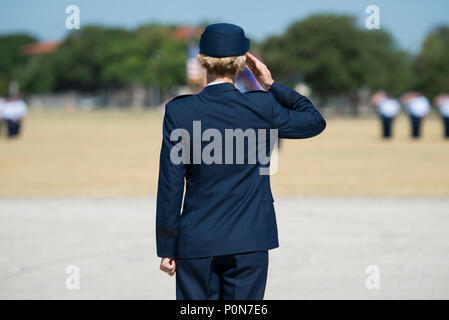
[(116, 153)]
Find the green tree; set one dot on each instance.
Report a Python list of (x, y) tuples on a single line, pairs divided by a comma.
[(97, 57), (383, 65), (335, 56), (39, 75), (432, 65), (84, 55), (164, 56), (11, 57)]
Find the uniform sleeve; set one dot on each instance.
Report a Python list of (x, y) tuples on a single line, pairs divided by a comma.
[(169, 194), (294, 115)]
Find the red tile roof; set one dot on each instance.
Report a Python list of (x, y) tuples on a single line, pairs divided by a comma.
[(40, 47), (186, 32)]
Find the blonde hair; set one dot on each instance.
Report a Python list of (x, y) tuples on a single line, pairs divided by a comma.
[(222, 66)]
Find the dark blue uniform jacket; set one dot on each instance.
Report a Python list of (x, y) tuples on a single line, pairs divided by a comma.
[(227, 208)]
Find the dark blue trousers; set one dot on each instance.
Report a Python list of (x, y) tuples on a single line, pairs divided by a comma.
[(446, 126), (230, 277), (387, 123), (13, 128), (416, 126)]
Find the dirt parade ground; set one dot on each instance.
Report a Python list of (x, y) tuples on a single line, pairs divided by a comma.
[(116, 153)]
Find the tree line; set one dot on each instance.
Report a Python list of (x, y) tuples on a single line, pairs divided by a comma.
[(331, 53)]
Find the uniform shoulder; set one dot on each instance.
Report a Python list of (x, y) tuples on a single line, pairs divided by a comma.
[(259, 96), (183, 96), (256, 92), (178, 101)]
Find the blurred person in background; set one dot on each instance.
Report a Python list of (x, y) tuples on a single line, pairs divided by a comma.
[(13, 112), (219, 245), (387, 108), (441, 101), (417, 106), (2, 104)]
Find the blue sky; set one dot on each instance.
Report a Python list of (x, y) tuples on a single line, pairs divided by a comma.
[(408, 21)]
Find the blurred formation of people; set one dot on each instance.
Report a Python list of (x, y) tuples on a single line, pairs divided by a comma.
[(12, 112), (388, 108), (441, 101), (2, 104), (417, 106)]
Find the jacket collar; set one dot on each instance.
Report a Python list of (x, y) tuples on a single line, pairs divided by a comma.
[(219, 87)]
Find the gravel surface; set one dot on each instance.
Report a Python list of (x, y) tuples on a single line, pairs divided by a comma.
[(326, 245)]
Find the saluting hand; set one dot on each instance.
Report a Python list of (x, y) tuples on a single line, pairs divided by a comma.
[(259, 71), (168, 265)]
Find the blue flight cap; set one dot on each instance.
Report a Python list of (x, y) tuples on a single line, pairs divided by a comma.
[(223, 40)]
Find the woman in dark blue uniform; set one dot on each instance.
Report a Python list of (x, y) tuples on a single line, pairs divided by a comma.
[(219, 245)]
